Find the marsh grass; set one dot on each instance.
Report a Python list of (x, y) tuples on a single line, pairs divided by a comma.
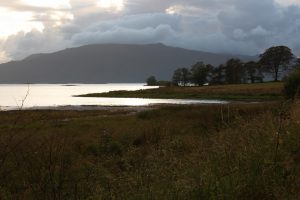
[(173, 152)]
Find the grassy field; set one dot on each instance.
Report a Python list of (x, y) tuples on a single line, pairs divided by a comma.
[(238, 151), (250, 92)]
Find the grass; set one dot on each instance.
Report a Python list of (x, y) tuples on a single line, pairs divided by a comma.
[(173, 152), (250, 92)]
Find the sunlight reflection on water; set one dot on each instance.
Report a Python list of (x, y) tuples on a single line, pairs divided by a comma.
[(53, 95)]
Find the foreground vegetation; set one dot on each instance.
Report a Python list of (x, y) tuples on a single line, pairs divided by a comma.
[(245, 92), (247, 151)]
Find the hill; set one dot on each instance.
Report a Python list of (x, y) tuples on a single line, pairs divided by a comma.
[(106, 63)]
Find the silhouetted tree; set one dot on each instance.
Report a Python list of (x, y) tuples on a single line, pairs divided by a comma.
[(276, 57), (151, 81), (234, 72), (297, 64), (218, 75), (200, 73), (181, 76), (176, 77), (253, 72)]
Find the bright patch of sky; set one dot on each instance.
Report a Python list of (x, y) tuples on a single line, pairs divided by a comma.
[(114, 5), (13, 22), (288, 2), (49, 3), (184, 10)]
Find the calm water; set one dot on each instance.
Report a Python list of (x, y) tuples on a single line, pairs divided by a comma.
[(53, 95)]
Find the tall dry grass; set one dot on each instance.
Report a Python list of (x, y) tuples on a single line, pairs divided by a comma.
[(175, 152)]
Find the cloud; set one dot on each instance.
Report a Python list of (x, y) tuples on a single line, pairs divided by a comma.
[(126, 35), (23, 44), (223, 26)]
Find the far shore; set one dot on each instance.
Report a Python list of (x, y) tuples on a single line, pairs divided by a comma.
[(238, 92)]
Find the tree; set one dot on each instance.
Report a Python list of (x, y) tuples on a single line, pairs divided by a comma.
[(176, 77), (181, 76), (275, 58), (218, 75), (297, 64), (200, 73), (253, 71), (151, 81), (292, 85), (234, 72)]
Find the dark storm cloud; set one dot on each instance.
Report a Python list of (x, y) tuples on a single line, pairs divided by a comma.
[(227, 26), (156, 26)]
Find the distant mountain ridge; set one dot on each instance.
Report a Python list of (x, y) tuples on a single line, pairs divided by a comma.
[(107, 63)]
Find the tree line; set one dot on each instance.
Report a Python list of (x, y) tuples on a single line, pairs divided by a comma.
[(234, 71)]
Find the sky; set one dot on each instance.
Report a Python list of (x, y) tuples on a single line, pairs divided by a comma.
[(221, 26)]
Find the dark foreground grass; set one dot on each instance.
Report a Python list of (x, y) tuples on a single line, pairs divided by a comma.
[(245, 92), (175, 152)]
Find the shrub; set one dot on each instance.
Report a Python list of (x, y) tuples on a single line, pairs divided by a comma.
[(292, 85), (151, 81)]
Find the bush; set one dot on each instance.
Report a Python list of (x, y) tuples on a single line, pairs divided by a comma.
[(292, 85), (151, 81)]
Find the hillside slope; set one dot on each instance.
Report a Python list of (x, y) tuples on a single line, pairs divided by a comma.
[(103, 63)]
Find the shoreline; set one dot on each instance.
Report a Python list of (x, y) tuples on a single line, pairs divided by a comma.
[(81, 108), (121, 108)]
